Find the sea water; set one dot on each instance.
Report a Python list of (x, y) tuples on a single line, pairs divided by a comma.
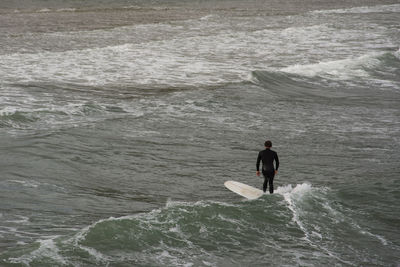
[(120, 121)]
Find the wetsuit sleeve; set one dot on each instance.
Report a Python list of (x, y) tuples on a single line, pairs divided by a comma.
[(276, 161), (258, 161)]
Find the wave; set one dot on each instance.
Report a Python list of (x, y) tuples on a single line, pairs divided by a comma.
[(201, 233), (15, 119), (162, 55), (153, 64), (340, 69), (189, 53), (395, 8), (33, 114), (345, 69), (99, 96), (334, 78), (80, 9), (283, 84)]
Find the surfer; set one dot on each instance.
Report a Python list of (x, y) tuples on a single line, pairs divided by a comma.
[(268, 156)]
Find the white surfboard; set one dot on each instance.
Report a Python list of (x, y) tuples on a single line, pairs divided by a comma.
[(244, 190)]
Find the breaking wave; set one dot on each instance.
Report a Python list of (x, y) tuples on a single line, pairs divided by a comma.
[(395, 8), (338, 78), (193, 234)]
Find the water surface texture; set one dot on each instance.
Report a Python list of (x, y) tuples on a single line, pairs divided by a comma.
[(121, 120)]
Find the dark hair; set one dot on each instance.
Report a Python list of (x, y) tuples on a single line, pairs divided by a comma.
[(268, 144)]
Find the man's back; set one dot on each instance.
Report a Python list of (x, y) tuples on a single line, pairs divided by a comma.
[(267, 156)]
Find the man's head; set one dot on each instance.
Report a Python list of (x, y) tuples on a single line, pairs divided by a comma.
[(268, 144)]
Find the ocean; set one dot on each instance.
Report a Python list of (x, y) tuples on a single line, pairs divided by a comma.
[(121, 120)]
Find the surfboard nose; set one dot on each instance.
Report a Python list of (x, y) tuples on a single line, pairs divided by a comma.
[(244, 190)]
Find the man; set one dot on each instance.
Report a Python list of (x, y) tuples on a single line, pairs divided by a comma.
[(268, 157)]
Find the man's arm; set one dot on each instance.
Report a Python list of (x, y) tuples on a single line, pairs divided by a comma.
[(276, 162), (258, 164)]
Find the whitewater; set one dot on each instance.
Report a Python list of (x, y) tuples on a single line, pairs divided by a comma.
[(120, 121)]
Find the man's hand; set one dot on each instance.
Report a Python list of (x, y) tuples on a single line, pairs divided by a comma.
[(258, 173), (276, 171)]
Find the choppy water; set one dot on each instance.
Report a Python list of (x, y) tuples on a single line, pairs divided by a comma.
[(120, 122)]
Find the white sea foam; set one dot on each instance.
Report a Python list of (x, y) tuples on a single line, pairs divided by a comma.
[(294, 197), (31, 183), (206, 263), (299, 189), (166, 257), (44, 10), (27, 110), (36, 184), (47, 249), (380, 238), (8, 110), (187, 59), (180, 54), (66, 9), (165, 62), (7, 229), (229, 220), (98, 256), (291, 196), (343, 69), (364, 9), (21, 220), (202, 203), (365, 232), (203, 229)]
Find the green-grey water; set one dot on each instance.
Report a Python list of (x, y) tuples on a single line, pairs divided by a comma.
[(121, 120)]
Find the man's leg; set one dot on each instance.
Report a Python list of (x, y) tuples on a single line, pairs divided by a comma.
[(271, 182), (267, 179), (265, 183)]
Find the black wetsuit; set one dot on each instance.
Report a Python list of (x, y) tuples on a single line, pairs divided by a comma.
[(267, 157)]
